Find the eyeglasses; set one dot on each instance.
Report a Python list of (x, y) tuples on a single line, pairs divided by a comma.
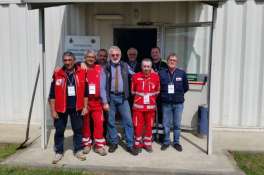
[(115, 55), (132, 54), (172, 60)]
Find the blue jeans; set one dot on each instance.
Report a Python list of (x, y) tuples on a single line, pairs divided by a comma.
[(60, 125), (172, 112), (118, 103)]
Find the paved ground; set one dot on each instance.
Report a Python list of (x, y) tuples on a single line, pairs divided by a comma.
[(193, 160)]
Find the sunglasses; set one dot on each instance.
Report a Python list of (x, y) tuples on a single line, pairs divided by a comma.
[(115, 55)]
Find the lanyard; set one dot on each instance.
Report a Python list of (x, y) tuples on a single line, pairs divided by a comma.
[(72, 79), (171, 77)]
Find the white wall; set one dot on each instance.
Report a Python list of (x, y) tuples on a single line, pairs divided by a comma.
[(238, 60), (20, 53)]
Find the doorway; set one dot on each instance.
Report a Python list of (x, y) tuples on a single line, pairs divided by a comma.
[(143, 39)]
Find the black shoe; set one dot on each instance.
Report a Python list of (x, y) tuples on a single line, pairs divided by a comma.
[(139, 150), (112, 148), (164, 147), (132, 150), (178, 147)]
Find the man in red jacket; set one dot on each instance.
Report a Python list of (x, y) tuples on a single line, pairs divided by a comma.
[(95, 109), (67, 97), (145, 87)]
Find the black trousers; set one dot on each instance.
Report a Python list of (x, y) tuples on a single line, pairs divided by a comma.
[(60, 125), (158, 130)]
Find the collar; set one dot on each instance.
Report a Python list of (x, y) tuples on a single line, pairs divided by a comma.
[(168, 70), (132, 62), (113, 64)]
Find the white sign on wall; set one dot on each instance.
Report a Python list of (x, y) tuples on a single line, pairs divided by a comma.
[(79, 44)]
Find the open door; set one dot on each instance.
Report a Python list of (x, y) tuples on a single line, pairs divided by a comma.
[(143, 39)]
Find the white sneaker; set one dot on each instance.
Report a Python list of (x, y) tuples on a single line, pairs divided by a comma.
[(79, 155), (57, 158)]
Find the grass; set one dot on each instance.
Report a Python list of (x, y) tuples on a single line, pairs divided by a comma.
[(251, 163), (9, 149)]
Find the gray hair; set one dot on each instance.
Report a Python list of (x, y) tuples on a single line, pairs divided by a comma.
[(89, 51), (148, 60), (110, 50), (68, 53), (172, 55)]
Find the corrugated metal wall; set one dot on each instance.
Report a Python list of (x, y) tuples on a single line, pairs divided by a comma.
[(238, 60), (20, 53)]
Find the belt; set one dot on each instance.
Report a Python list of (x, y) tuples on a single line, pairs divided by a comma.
[(117, 93)]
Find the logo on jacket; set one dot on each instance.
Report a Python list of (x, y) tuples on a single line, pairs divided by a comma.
[(59, 82), (152, 85)]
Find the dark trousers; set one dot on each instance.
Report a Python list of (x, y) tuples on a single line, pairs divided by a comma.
[(60, 125), (158, 130)]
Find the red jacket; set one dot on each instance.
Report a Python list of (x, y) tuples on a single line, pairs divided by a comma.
[(145, 90), (60, 78), (93, 81)]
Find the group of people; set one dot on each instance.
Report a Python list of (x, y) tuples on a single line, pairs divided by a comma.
[(103, 86)]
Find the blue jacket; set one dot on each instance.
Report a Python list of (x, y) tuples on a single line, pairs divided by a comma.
[(180, 82)]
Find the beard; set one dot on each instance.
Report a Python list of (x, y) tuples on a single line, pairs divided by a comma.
[(115, 61)]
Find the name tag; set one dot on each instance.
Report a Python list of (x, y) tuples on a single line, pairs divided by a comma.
[(71, 91), (92, 89), (146, 99), (178, 79), (171, 89)]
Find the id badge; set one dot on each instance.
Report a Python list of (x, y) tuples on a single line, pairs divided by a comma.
[(92, 89), (71, 91), (171, 89), (146, 99)]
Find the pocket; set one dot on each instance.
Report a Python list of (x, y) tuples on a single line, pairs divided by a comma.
[(178, 86)]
